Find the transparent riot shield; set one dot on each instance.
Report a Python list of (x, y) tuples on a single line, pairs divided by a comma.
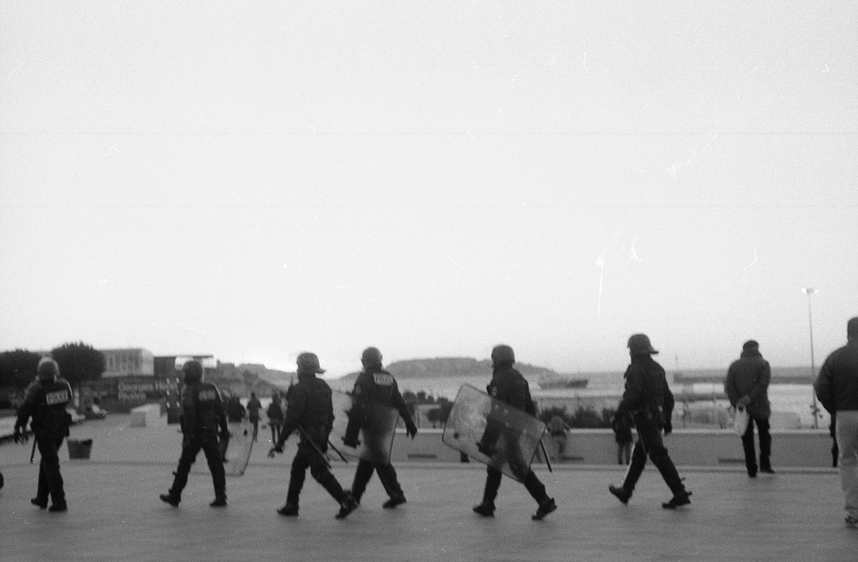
[(493, 432), (375, 430), (236, 454)]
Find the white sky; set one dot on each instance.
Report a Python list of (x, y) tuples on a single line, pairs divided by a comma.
[(252, 180)]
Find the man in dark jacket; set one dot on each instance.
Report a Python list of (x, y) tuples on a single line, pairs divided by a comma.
[(837, 390), (747, 385), (648, 401), (202, 415), (375, 386), (46, 404), (311, 412), (510, 387)]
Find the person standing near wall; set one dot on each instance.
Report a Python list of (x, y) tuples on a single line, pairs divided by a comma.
[(837, 390), (623, 436), (275, 417), (747, 386)]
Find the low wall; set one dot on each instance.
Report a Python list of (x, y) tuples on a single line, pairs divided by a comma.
[(796, 448)]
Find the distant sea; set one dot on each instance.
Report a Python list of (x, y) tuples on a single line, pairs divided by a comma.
[(785, 398)]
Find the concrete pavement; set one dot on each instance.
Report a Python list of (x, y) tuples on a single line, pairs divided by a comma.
[(115, 514)]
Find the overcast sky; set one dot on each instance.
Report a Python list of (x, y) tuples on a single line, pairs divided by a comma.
[(256, 179)]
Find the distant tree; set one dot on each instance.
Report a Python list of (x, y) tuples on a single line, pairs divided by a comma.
[(548, 413), (433, 416), (79, 362), (445, 407), (587, 418), (18, 368)]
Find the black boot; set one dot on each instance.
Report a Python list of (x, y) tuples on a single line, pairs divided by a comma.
[(394, 501), (622, 494), (680, 499), (219, 501), (289, 510), (347, 506), (546, 506), (486, 509), (170, 498)]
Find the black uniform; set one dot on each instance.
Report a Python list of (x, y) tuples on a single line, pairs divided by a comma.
[(46, 404), (509, 386), (311, 412), (202, 416), (376, 386), (647, 400)]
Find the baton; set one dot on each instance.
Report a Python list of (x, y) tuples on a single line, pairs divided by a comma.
[(318, 450), (33, 452), (547, 460), (337, 451)]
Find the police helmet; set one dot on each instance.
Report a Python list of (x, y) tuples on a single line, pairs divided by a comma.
[(639, 345), (371, 357), (193, 371), (502, 355), (48, 370), (308, 363)]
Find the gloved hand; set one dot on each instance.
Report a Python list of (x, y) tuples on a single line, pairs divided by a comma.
[(18, 437), (278, 448), (668, 427), (410, 429), (743, 402), (350, 441)]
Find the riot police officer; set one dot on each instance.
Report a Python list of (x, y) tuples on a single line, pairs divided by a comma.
[(310, 410), (376, 386), (202, 415), (648, 401), (46, 404), (510, 387)]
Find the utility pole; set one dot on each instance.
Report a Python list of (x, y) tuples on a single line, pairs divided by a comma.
[(811, 291)]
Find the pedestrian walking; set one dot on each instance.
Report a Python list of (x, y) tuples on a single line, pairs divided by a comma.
[(747, 385), (376, 387), (253, 407), (647, 400), (837, 390), (45, 404), (234, 410), (202, 416), (311, 412), (510, 387), (275, 417)]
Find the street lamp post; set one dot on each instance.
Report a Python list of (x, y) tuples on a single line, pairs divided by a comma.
[(811, 291)]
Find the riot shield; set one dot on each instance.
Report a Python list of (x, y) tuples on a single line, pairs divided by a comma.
[(237, 452), (493, 432), (375, 436)]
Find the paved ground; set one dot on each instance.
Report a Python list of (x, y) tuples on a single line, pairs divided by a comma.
[(115, 513)]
